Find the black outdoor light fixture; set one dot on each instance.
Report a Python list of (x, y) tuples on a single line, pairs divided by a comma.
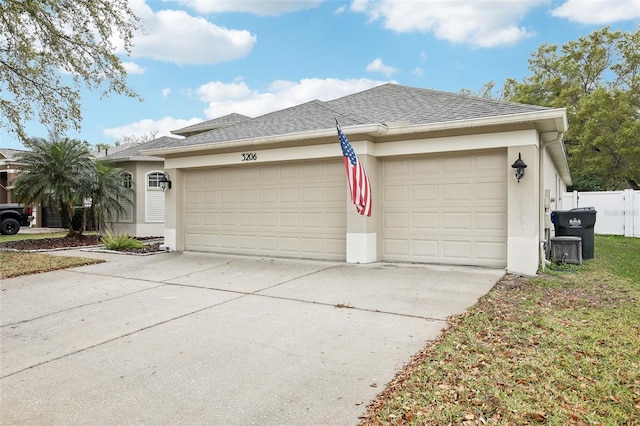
[(165, 183), (519, 165)]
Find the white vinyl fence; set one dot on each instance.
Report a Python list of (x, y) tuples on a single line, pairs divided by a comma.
[(617, 212)]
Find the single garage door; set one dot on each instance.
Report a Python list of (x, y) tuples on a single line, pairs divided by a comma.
[(289, 209), (446, 208)]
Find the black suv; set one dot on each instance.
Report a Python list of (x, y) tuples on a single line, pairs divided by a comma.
[(12, 217)]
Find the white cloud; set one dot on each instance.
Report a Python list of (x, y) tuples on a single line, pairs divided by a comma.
[(148, 126), (418, 71), (133, 68), (378, 66), (175, 36), (166, 92), (598, 12), (340, 10), (256, 7), (226, 98), (472, 22)]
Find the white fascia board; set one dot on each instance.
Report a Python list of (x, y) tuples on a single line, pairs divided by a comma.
[(450, 144), (556, 116)]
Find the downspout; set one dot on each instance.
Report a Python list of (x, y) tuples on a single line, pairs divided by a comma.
[(546, 139)]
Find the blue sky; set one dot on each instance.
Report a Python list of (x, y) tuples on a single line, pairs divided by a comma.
[(202, 59)]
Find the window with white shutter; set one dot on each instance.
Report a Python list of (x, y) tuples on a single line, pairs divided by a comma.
[(154, 198)]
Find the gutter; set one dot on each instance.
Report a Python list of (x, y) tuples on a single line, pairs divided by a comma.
[(547, 140)]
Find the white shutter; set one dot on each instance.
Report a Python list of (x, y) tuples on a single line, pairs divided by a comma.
[(154, 206)]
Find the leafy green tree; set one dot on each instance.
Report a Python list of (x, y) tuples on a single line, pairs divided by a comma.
[(49, 49), (109, 196), (597, 78), (485, 92), (53, 175)]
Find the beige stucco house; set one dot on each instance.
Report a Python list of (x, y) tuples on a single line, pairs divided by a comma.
[(440, 166), (144, 217)]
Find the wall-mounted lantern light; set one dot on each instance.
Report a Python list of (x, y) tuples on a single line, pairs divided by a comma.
[(165, 183), (519, 165)]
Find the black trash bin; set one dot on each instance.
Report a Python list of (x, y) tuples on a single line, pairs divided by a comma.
[(577, 222)]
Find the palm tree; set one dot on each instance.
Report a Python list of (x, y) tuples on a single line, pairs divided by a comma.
[(55, 170), (109, 196)]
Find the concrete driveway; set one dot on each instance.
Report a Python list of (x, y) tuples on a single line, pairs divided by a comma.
[(191, 338)]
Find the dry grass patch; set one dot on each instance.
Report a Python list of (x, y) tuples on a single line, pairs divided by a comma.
[(562, 348), (13, 264)]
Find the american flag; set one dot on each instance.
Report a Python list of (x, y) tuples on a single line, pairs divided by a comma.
[(359, 185)]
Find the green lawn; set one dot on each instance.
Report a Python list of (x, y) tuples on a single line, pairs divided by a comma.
[(562, 348)]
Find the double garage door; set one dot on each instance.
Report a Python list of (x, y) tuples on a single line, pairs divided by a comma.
[(433, 209), (291, 209)]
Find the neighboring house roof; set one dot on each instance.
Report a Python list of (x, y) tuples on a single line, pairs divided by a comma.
[(10, 154), (381, 105), (132, 152), (216, 123)]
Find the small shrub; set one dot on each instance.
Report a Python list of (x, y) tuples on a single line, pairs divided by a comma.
[(120, 242)]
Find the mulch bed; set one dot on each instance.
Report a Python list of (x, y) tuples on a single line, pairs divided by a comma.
[(70, 241)]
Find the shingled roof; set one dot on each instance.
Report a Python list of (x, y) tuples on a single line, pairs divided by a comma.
[(216, 123), (11, 154), (133, 152), (382, 104)]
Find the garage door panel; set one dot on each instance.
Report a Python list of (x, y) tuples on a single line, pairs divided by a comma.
[(396, 193), (491, 251), (396, 247), (460, 221), (228, 197), (426, 250), (490, 190), (193, 239), (268, 244), (424, 192), (455, 191), (336, 222), (289, 220), (247, 175), (284, 209), (268, 221), (425, 221), (396, 220), (227, 177), (456, 166), (193, 219), (246, 220), (457, 250), (210, 219), (193, 199), (424, 166), (446, 208), (489, 165), (248, 196), (492, 222)]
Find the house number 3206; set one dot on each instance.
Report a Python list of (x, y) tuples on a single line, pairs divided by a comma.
[(251, 156)]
